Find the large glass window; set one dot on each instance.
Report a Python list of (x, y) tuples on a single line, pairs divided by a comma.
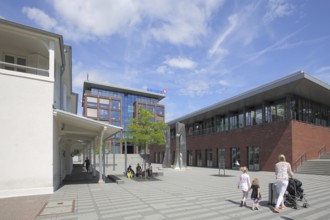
[(104, 114), (280, 111), (104, 103), (241, 120), (198, 155), (190, 158), (151, 108), (233, 121), (250, 117), (270, 113), (115, 115), (115, 104), (160, 110), (221, 158), (15, 60), (253, 158), (259, 115), (235, 158), (208, 157)]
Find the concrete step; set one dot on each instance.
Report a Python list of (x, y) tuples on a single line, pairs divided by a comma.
[(325, 156), (316, 167)]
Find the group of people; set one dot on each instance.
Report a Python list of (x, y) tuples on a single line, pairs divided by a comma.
[(130, 172), (283, 172)]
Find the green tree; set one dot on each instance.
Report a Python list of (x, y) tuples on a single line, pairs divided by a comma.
[(145, 131)]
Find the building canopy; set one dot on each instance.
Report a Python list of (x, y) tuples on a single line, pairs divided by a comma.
[(78, 128)]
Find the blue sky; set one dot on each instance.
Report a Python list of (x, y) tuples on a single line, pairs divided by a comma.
[(201, 52)]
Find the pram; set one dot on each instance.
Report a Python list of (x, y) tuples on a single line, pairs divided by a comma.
[(295, 196)]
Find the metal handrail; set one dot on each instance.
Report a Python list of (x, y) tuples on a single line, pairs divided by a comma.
[(322, 150), (299, 161)]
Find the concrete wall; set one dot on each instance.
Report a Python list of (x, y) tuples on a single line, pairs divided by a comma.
[(26, 118)]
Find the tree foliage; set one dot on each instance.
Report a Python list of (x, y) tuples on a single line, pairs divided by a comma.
[(144, 131)]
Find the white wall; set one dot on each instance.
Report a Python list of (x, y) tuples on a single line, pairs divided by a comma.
[(26, 143)]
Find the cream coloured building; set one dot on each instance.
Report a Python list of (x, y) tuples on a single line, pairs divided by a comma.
[(39, 126)]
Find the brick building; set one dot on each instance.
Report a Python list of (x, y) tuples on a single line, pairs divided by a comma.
[(290, 116)]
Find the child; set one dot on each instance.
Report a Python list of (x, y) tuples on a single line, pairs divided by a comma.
[(244, 184), (255, 195)]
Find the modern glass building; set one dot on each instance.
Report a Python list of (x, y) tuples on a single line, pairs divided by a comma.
[(117, 105), (290, 116)]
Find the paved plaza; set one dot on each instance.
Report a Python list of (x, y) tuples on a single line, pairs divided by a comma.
[(196, 193)]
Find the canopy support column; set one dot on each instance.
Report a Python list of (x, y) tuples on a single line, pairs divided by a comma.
[(101, 156)]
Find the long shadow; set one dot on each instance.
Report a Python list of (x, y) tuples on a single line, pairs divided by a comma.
[(221, 175), (79, 175)]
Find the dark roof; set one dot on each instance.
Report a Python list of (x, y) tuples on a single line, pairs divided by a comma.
[(88, 85), (299, 83)]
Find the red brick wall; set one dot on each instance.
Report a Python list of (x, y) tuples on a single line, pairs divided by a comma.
[(290, 138), (309, 139), (272, 139)]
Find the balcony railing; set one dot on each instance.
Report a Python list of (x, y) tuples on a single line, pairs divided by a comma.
[(24, 69)]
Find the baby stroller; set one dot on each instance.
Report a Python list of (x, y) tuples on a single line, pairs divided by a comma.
[(295, 196)]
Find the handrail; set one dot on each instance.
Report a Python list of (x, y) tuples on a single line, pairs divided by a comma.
[(299, 161), (322, 150), (23, 67)]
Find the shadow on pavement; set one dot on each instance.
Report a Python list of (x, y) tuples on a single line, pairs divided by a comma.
[(79, 175)]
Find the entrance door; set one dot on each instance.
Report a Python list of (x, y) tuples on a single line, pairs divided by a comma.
[(253, 158), (235, 158)]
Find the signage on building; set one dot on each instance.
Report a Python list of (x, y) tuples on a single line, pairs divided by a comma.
[(160, 91)]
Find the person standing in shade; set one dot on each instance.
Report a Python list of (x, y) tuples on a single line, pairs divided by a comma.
[(283, 172), (87, 163), (244, 184)]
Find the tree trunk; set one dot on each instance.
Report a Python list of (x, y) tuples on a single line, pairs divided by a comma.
[(145, 162)]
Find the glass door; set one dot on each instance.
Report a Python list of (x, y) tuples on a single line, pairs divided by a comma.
[(235, 158), (253, 158)]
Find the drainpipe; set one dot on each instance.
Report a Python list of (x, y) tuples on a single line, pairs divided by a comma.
[(101, 156), (61, 87)]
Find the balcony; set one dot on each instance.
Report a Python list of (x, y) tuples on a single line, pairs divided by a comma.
[(28, 52)]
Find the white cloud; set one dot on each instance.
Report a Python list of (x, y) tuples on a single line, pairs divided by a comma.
[(161, 69), (175, 22), (216, 48), (277, 9), (224, 83), (180, 22), (40, 17), (195, 88), (180, 62)]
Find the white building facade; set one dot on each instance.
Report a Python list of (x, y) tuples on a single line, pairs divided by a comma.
[(38, 123)]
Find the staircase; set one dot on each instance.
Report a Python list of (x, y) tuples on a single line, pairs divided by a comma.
[(132, 159), (317, 167)]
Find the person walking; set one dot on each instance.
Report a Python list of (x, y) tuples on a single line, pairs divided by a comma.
[(256, 194), (87, 163), (283, 172), (244, 184)]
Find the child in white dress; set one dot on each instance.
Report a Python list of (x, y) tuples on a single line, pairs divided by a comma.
[(244, 184)]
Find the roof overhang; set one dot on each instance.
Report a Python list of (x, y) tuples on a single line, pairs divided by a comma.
[(80, 129), (299, 83), (88, 85)]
